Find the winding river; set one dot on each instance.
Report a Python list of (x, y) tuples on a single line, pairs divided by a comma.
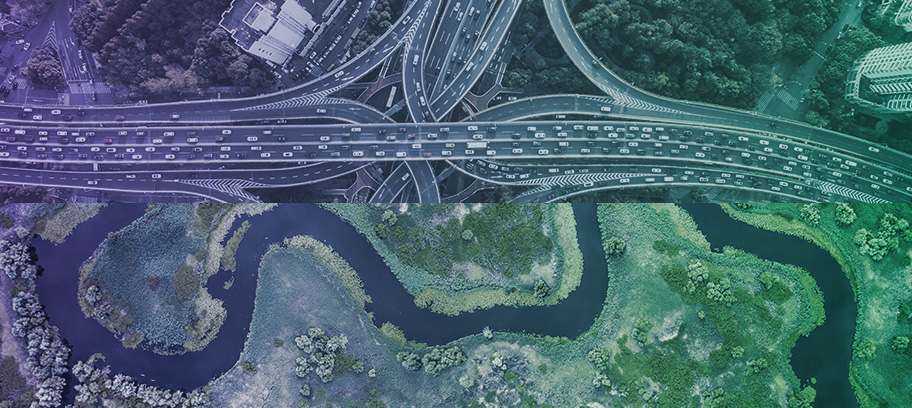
[(813, 356)]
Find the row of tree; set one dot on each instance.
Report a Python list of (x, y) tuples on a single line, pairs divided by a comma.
[(97, 388), (47, 354), (433, 361)]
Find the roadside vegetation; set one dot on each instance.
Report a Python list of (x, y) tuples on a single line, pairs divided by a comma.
[(43, 67), (873, 244), (683, 326), (458, 258), (826, 104), (157, 48), (716, 51), (379, 21)]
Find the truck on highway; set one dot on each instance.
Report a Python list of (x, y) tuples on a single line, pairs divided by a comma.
[(476, 145)]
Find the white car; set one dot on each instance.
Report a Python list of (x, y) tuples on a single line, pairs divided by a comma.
[(156, 176), (55, 112), (446, 153)]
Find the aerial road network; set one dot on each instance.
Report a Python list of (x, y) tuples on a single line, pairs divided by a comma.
[(547, 148)]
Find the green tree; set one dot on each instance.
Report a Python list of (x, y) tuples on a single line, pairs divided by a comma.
[(467, 235), (900, 343), (845, 215), (866, 349), (615, 246), (44, 67), (810, 213)]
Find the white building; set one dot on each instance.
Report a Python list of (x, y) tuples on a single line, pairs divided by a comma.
[(881, 80), (267, 29)]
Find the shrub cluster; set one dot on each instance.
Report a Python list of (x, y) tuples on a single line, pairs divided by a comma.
[(47, 354)]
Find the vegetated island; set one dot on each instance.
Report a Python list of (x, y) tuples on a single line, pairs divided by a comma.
[(682, 326), (872, 243), (456, 258), (146, 282)]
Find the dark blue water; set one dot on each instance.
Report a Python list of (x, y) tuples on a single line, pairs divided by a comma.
[(824, 355), (58, 288), (826, 352)]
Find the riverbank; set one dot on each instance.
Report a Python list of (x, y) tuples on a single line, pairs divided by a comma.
[(163, 303), (877, 370), (459, 258), (295, 291)]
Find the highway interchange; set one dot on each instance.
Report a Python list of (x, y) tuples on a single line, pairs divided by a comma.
[(557, 145)]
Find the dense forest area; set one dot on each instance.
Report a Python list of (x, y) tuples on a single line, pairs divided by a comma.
[(158, 47), (543, 67), (716, 51)]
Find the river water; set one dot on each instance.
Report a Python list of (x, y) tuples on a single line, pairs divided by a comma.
[(822, 355)]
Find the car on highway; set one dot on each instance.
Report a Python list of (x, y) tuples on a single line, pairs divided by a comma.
[(175, 116), (119, 118)]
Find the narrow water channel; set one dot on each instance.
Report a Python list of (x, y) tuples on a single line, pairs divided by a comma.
[(826, 352), (824, 355)]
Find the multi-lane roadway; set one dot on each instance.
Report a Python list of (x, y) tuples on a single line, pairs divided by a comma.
[(216, 149)]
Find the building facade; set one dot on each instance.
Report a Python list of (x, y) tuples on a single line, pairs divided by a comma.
[(881, 80), (272, 30)]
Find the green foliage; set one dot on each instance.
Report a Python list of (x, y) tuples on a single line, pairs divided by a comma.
[(900, 343), (803, 398), (6, 221), (228, 261), (878, 245), (810, 213), (411, 361), (278, 342), (44, 67), (601, 357), (641, 330), (541, 288), (13, 386), (158, 47), (845, 215), (305, 390), (382, 231), (825, 98), (186, 282), (866, 349), (665, 247), (468, 235), (756, 365), (249, 367), (615, 246), (718, 51), (439, 359), (393, 333)]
